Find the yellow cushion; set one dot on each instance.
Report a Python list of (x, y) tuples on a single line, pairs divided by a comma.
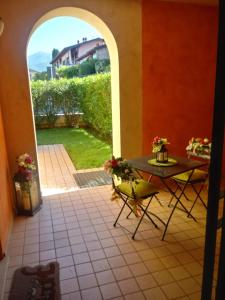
[(142, 189), (198, 175)]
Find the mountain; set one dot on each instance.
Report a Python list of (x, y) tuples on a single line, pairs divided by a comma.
[(39, 61)]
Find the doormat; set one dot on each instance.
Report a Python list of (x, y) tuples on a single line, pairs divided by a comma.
[(36, 283), (91, 179)]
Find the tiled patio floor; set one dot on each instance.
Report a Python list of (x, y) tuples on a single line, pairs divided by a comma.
[(98, 261)]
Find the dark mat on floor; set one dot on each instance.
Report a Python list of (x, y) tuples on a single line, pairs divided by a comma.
[(36, 283), (90, 179)]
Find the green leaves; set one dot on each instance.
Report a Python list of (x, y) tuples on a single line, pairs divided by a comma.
[(90, 95)]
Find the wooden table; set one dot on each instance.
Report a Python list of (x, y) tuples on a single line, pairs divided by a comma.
[(165, 172)]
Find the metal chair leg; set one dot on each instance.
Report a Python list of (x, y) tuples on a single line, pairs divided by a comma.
[(120, 212), (144, 213)]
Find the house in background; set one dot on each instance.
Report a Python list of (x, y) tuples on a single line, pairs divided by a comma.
[(71, 55), (99, 52)]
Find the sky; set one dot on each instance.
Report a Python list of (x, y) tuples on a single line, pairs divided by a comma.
[(59, 33)]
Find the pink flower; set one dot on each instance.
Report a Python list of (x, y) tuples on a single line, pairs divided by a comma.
[(28, 160)]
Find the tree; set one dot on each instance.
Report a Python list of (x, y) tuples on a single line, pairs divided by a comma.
[(55, 52)]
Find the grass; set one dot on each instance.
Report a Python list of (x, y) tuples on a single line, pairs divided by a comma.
[(85, 150)]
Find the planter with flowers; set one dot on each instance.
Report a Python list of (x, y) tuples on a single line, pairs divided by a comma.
[(159, 148), (199, 147), (121, 170), (28, 198)]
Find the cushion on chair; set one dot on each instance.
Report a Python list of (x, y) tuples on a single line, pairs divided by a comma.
[(142, 189), (197, 176)]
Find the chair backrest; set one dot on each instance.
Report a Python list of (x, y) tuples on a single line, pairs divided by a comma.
[(196, 155), (204, 157)]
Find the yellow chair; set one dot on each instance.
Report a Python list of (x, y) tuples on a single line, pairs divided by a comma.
[(133, 193), (197, 179)]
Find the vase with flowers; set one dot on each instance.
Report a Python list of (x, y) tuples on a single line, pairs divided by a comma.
[(122, 170), (199, 146), (119, 167), (26, 186), (159, 148)]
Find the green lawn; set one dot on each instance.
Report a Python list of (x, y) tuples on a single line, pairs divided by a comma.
[(85, 150)]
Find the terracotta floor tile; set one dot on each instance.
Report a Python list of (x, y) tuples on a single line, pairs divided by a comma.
[(128, 286), (138, 269), (108, 242), (146, 281), (110, 290), (69, 285), (65, 261), (155, 293), (194, 268), (122, 273), (189, 285), (179, 273), (170, 261), (48, 245), (84, 269), (147, 254), (91, 294), (172, 290), (96, 254), (72, 296), (154, 265), (100, 265), (116, 261), (93, 245), (62, 243), (60, 235), (67, 273), (105, 277), (132, 258), (31, 258), (87, 281), (46, 237), (48, 254), (64, 251), (135, 296), (78, 248), (112, 251), (163, 277), (80, 258)]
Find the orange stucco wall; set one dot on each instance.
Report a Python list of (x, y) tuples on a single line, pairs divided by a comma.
[(6, 212), (179, 60)]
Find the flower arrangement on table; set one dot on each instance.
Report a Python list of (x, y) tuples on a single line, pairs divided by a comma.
[(26, 167), (119, 167), (199, 146), (159, 144), (159, 147)]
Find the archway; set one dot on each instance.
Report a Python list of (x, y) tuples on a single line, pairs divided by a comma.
[(113, 53)]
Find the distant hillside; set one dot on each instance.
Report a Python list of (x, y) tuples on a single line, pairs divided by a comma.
[(39, 61)]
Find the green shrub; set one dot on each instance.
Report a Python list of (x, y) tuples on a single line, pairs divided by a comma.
[(68, 72), (96, 103), (87, 67), (90, 95)]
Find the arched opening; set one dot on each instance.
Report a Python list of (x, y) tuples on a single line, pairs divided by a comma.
[(105, 32)]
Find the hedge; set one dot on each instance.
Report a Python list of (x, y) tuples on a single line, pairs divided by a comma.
[(90, 95)]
